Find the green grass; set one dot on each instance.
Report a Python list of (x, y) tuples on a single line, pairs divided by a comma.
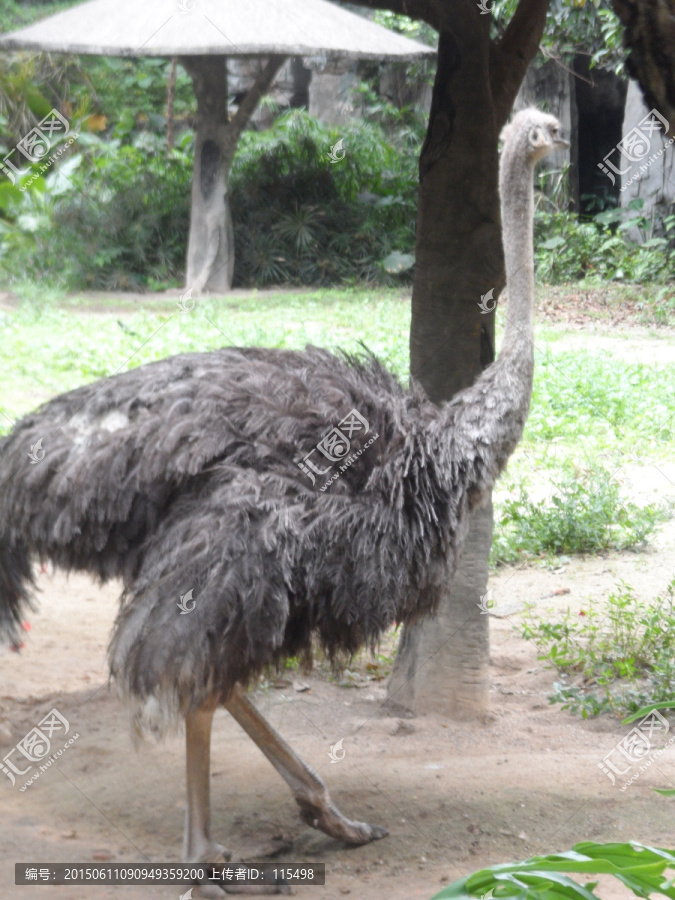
[(586, 513), (598, 398)]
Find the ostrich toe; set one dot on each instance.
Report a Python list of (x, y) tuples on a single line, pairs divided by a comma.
[(327, 818)]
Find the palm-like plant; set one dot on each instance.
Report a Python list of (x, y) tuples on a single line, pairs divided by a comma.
[(22, 102), (302, 227)]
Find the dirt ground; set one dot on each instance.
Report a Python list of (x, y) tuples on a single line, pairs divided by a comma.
[(455, 796)]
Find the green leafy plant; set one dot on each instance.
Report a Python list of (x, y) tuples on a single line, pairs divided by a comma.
[(569, 247), (121, 218), (112, 216), (642, 869), (615, 656), (331, 223), (585, 514)]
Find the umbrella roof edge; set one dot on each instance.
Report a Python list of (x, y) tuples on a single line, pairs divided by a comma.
[(9, 43)]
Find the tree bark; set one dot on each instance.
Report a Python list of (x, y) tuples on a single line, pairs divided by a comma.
[(442, 663), (650, 40), (210, 258)]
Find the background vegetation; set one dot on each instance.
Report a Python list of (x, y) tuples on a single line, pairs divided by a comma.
[(115, 215)]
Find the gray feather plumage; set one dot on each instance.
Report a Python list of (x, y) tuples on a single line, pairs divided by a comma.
[(182, 475)]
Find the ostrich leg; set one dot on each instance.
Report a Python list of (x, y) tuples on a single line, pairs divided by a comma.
[(198, 846), (316, 807)]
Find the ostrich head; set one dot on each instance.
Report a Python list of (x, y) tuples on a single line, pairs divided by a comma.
[(528, 137), (533, 134)]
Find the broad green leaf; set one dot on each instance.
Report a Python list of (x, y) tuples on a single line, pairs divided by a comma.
[(609, 216), (36, 102), (553, 243), (641, 713), (9, 194), (641, 868), (60, 181)]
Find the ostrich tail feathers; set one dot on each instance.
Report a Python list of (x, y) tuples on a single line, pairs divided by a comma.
[(15, 580)]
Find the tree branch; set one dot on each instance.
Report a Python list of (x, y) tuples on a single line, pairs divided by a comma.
[(429, 11), (511, 55), (247, 106)]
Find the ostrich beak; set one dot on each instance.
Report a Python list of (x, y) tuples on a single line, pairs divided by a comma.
[(561, 144)]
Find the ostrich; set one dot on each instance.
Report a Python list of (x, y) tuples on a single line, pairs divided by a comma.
[(214, 482)]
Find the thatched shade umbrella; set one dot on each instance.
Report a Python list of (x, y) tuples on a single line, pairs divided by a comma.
[(202, 34)]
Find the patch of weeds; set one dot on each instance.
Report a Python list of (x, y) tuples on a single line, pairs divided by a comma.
[(616, 656), (586, 514)]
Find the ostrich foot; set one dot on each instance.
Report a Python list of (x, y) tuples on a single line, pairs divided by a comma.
[(316, 807), (319, 812), (216, 855)]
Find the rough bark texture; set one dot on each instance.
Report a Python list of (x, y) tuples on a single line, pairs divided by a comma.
[(442, 663), (650, 41), (210, 262)]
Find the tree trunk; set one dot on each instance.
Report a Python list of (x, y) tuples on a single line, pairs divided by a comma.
[(442, 663), (170, 101), (210, 259), (650, 40)]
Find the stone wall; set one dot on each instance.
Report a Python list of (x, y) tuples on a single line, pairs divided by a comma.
[(331, 90), (651, 173)]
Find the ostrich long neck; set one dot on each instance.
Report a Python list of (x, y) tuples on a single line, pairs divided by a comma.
[(515, 185), (481, 426)]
